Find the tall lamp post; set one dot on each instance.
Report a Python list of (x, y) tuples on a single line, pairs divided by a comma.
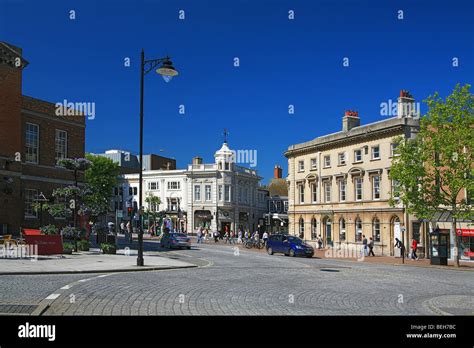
[(167, 71)]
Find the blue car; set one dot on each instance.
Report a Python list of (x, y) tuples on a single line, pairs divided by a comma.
[(288, 245)]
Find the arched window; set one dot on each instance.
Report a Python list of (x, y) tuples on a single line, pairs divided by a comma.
[(301, 227), (342, 229), (314, 228), (358, 230), (376, 230)]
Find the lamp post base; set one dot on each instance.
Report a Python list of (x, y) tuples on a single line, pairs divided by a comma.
[(140, 262)]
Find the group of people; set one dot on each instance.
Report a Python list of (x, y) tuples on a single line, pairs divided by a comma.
[(229, 237), (127, 230), (414, 246)]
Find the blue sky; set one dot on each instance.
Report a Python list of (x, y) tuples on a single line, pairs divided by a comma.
[(282, 62)]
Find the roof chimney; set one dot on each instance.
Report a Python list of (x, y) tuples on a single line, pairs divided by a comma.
[(350, 120), (197, 160), (406, 105), (277, 172)]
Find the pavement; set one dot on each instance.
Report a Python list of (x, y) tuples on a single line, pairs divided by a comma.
[(92, 261)]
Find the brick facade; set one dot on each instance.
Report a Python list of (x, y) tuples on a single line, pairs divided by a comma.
[(16, 175)]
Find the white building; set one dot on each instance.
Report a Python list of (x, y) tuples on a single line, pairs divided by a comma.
[(217, 196)]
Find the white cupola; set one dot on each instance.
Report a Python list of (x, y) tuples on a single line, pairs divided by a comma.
[(224, 157)]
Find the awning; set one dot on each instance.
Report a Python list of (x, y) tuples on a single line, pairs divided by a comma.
[(203, 214), (445, 216)]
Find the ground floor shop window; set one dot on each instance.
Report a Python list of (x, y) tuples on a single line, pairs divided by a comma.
[(376, 230), (301, 227), (358, 230), (314, 229), (342, 230)]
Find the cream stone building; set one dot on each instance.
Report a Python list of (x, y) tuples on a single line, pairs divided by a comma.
[(339, 185)]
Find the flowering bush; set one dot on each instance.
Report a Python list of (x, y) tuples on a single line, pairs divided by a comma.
[(75, 163), (71, 233), (68, 191)]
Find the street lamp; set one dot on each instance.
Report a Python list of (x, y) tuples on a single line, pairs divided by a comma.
[(168, 72)]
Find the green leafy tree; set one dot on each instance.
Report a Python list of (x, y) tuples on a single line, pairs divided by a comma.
[(152, 201), (434, 170), (100, 178)]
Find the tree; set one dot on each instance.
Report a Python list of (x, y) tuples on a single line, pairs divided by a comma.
[(100, 178), (434, 170), (153, 202), (278, 187)]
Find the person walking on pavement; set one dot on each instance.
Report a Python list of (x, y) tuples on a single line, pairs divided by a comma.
[(320, 242), (216, 237), (414, 246), (129, 232), (122, 228), (239, 237), (371, 247), (226, 237), (265, 238), (232, 237), (199, 236), (399, 244), (364, 243)]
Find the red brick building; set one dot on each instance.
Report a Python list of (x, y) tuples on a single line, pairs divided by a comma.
[(32, 139)]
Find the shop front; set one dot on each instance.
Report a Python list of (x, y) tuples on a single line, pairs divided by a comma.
[(466, 243), (202, 219), (226, 220)]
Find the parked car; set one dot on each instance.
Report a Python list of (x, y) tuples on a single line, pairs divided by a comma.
[(175, 240), (288, 245)]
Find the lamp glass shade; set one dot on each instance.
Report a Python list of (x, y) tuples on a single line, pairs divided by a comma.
[(167, 71)]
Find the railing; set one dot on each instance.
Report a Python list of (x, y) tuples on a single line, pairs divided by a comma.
[(202, 167)]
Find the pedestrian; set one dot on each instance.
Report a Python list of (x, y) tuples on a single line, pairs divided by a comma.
[(371, 247), (265, 238), (364, 243), (226, 237), (239, 237), (232, 237), (122, 227), (129, 232), (199, 236), (216, 237), (320, 242), (414, 246), (246, 235), (400, 245)]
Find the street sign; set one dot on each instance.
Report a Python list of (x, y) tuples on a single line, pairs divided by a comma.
[(119, 213)]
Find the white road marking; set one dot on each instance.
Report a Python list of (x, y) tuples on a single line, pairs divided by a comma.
[(65, 287), (53, 296)]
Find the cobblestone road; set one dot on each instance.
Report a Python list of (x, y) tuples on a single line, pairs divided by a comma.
[(254, 284)]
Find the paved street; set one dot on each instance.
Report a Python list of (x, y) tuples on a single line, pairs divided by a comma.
[(249, 283)]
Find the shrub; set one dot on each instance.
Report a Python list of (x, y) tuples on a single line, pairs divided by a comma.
[(108, 248), (49, 230), (68, 246), (83, 245)]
